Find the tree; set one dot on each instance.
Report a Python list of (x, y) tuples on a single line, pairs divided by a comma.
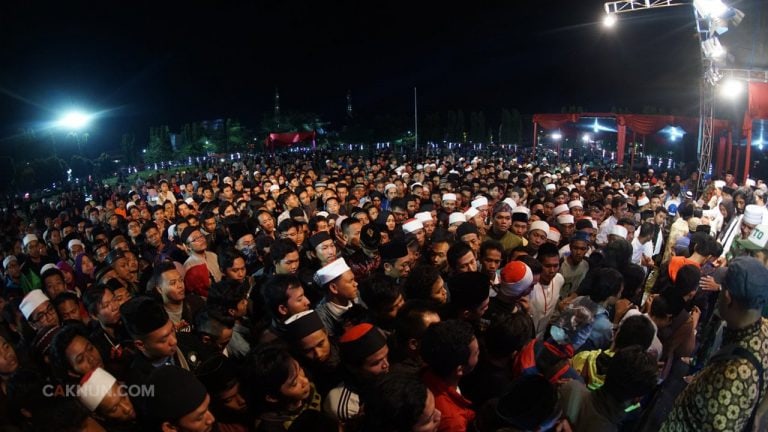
[(130, 149), (159, 148)]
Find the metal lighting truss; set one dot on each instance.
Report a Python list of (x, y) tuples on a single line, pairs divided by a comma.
[(706, 28)]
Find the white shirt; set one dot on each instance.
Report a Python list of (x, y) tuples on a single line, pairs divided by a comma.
[(543, 300), (639, 249)]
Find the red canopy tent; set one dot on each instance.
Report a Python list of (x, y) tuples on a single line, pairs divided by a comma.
[(638, 123), (287, 139), (757, 109)]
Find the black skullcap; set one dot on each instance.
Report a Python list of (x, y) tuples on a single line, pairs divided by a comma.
[(142, 315), (469, 290), (217, 373), (303, 324), (176, 393), (318, 238), (466, 228), (583, 223), (393, 250), (519, 217), (297, 213), (360, 341), (113, 256), (237, 230), (370, 236)]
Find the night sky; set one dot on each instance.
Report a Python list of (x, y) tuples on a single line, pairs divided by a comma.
[(158, 63)]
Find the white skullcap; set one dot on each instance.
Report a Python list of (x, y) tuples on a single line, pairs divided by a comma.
[(643, 200), (565, 219), (331, 271), (562, 208), (171, 231), (424, 216), (412, 225), (93, 388), (339, 220), (323, 214), (753, 214), (719, 184), (47, 267), (575, 203), (620, 231), (8, 260), (479, 202), (550, 187), (228, 180), (31, 301), (553, 235), (471, 212), (539, 225), (129, 205), (416, 184), (189, 201), (449, 197), (29, 238), (751, 183), (456, 217), (274, 187), (75, 242), (390, 186), (510, 201), (521, 209)]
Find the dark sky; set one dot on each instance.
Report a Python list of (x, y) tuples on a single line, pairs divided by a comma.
[(164, 63)]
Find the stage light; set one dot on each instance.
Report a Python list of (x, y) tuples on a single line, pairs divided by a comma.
[(609, 20), (710, 8), (557, 136), (586, 138), (731, 88), (712, 48), (74, 120), (675, 133)]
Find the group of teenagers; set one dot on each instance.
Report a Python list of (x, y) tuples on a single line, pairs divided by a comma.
[(291, 293)]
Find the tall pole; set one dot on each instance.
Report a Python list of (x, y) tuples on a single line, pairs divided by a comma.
[(416, 120)]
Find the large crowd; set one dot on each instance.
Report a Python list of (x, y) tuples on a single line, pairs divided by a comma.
[(387, 294)]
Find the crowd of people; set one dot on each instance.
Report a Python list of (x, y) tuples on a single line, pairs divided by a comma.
[(387, 294)]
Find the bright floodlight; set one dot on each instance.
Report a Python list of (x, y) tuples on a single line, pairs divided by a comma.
[(712, 48), (609, 20), (557, 136), (710, 8), (74, 120), (732, 88), (585, 138)]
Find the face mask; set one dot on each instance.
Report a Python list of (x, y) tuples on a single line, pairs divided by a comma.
[(249, 251)]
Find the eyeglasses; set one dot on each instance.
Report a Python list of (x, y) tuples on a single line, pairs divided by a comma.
[(197, 239), (47, 312)]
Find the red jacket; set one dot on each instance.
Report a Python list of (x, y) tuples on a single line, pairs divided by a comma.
[(456, 410)]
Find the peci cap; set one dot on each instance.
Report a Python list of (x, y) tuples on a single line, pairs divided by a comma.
[(331, 271), (94, 386), (747, 282), (516, 279), (303, 324), (31, 301)]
